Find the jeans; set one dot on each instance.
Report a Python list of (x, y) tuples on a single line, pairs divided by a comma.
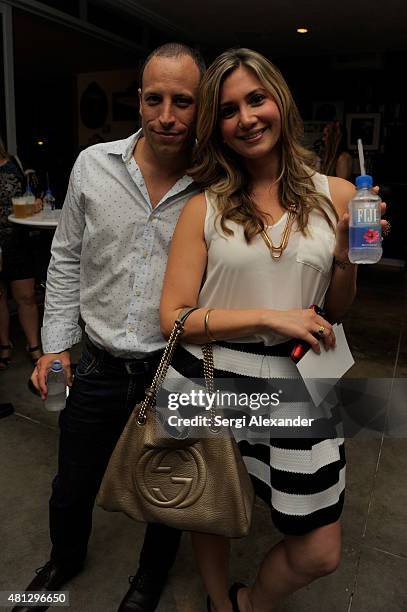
[(103, 394)]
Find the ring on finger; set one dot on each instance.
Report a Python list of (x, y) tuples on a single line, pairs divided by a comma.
[(321, 330)]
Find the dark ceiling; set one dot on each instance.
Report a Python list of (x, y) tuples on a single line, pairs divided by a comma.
[(335, 27)]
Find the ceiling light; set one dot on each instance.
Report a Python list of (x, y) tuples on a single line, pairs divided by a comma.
[(40, 143), (302, 30)]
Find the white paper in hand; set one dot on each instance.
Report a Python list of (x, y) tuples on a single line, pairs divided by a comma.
[(330, 364)]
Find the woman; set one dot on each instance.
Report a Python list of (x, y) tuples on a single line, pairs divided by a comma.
[(17, 266), (336, 160), (253, 253)]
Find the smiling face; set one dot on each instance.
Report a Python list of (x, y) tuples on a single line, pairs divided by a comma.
[(250, 121), (168, 103)]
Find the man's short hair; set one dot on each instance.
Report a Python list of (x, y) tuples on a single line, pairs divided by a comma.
[(175, 49)]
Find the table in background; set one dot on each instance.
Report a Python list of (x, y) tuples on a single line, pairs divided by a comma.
[(38, 226), (40, 220)]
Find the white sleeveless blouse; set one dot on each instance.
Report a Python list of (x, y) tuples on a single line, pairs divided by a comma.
[(244, 276)]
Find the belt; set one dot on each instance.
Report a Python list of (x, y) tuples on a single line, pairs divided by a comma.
[(259, 348), (132, 366)]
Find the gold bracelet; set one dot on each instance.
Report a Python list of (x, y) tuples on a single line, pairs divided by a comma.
[(206, 322)]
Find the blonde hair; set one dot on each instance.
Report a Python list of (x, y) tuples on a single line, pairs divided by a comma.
[(221, 170)]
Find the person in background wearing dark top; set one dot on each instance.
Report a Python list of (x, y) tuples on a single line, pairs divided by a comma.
[(5, 409), (108, 260), (17, 271), (335, 159)]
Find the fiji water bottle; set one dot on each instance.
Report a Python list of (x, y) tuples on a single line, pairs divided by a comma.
[(365, 234), (56, 387), (48, 202)]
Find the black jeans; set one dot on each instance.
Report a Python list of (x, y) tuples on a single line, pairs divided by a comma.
[(103, 394)]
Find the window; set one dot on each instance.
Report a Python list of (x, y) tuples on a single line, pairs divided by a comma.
[(2, 93)]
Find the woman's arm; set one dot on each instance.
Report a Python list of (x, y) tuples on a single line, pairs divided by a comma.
[(186, 266), (342, 289), (185, 270)]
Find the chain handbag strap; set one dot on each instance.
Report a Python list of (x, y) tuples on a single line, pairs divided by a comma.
[(208, 367), (165, 362)]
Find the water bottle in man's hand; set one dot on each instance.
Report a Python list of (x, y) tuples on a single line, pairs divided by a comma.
[(56, 387)]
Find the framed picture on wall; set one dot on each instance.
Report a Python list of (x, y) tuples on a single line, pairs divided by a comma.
[(365, 126)]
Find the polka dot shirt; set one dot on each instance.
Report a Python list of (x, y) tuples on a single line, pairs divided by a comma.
[(109, 254)]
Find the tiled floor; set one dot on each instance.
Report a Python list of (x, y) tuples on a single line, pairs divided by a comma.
[(372, 576)]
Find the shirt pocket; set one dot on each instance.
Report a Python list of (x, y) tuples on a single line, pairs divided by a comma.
[(316, 249)]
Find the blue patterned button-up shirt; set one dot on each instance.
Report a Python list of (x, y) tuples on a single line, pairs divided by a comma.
[(109, 254)]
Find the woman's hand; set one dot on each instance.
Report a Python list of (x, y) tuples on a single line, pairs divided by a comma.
[(302, 324), (342, 230)]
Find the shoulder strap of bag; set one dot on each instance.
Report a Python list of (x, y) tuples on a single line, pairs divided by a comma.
[(152, 390), (208, 367)]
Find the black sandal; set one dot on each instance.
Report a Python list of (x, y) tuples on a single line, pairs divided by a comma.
[(34, 349), (5, 361), (233, 595)]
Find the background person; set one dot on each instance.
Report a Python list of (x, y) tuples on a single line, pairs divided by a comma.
[(17, 271), (336, 159), (268, 238), (5, 409)]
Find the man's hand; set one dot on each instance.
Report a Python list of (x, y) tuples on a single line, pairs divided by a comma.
[(44, 363)]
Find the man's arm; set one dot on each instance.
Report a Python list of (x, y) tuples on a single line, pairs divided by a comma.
[(60, 328)]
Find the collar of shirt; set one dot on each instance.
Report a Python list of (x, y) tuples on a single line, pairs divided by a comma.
[(125, 149)]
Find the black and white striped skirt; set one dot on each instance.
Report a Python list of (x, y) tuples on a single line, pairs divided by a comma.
[(301, 477)]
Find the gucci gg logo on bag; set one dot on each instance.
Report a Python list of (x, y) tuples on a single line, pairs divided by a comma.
[(171, 478)]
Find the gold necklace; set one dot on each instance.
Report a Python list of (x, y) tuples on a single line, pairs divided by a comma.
[(277, 250)]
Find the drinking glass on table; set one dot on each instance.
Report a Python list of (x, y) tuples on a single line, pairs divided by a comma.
[(23, 206)]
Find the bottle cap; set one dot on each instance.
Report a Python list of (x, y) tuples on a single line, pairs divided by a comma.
[(57, 366), (364, 181)]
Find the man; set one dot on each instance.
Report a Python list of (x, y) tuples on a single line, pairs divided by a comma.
[(108, 262)]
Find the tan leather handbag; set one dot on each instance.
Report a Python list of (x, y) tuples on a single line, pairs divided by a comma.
[(194, 484)]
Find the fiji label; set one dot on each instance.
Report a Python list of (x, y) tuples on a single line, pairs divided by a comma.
[(365, 237), (367, 215)]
